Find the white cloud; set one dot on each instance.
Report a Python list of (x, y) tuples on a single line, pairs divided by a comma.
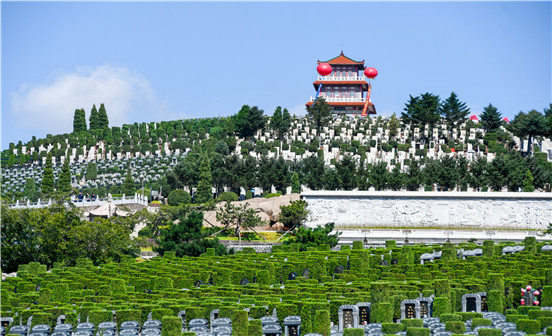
[(49, 107)]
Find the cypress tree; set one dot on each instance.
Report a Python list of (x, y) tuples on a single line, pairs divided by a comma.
[(490, 118), (205, 185), (102, 117), (128, 186), (79, 121), (48, 176), (65, 177), (94, 119)]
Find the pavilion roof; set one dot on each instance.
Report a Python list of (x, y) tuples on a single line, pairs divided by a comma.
[(342, 59)]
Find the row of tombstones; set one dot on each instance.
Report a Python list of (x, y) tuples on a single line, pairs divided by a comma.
[(349, 316)]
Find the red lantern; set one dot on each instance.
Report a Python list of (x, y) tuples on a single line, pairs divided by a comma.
[(370, 73), (324, 69)]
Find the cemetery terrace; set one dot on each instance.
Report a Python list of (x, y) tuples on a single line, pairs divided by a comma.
[(388, 290)]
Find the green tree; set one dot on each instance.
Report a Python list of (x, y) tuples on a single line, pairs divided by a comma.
[(47, 187), (397, 179), (79, 121), (421, 110), (528, 185), (103, 121), (293, 215), (413, 176), (295, 183), (178, 197), (185, 173), (477, 178), (346, 171), (528, 125), (128, 185), (238, 217), (94, 119), (312, 168), (447, 173), (91, 171), (319, 114), (249, 120), (280, 122), (454, 111), (64, 183), (491, 118), (393, 125), (31, 191), (203, 193), (379, 176), (308, 237)]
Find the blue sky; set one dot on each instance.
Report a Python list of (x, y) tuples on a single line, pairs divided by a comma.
[(151, 61)]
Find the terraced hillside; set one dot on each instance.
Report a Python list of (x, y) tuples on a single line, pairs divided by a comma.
[(368, 148)]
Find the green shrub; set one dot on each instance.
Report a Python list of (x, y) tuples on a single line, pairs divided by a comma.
[(441, 305), (271, 195), (188, 333), (42, 318), (530, 245), (528, 326), (488, 248), (240, 323), (469, 315), (61, 293), (161, 283), (255, 328), (495, 302), (382, 312), (545, 321), (390, 244), (549, 331), (171, 325), (489, 332), (456, 327), (417, 331), (450, 317), (515, 317), (159, 313), (195, 312), (354, 332), (412, 323), (534, 314), (98, 316), (481, 322), (391, 328), (321, 323), (179, 197), (546, 297), (227, 196), (358, 245)]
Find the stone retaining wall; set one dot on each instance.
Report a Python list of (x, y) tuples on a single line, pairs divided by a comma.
[(453, 210)]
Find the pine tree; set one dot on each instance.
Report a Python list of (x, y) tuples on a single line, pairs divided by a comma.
[(320, 114), (64, 183), (102, 117), (528, 185), (128, 186), (276, 120), (454, 111), (295, 184), (47, 187), (490, 118), (94, 119), (79, 121), (393, 125), (204, 187)]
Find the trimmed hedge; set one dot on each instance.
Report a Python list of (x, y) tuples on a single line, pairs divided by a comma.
[(322, 322), (353, 332), (495, 302), (457, 327), (528, 326), (255, 328), (382, 312), (441, 305), (412, 323), (417, 331), (489, 332), (391, 328), (450, 317), (171, 325), (240, 323), (476, 322)]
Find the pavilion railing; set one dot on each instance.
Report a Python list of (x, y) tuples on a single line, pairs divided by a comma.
[(84, 202)]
